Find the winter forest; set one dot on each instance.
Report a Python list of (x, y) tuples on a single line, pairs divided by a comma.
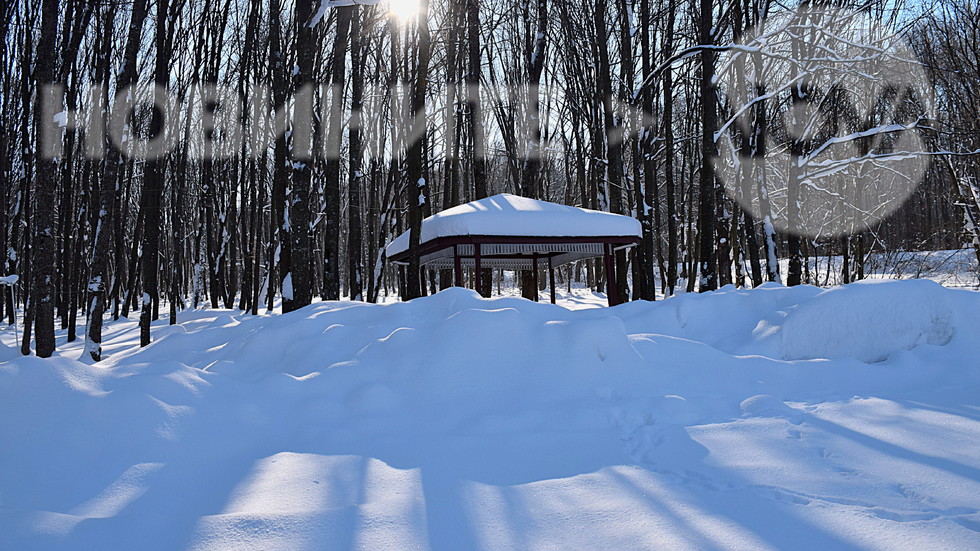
[(158, 155)]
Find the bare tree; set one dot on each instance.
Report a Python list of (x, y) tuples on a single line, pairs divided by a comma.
[(43, 259), (156, 172)]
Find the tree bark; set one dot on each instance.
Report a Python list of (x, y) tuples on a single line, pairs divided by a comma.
[(42, 289), (331, 268), (279, 256), (300, 280), (105, 222), (354, 243), (417, 181), (707, 260), (155, 176)]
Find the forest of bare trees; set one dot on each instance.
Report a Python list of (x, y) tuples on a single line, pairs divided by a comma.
[(157, 155)]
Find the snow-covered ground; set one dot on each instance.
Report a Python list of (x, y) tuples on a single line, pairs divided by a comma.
[(951, 268), (776, 418)]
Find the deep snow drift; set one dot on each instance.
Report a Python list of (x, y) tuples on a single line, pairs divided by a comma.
[(777, 418)]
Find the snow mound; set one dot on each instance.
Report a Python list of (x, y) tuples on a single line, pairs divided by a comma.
[(868, 321), (458, 422)]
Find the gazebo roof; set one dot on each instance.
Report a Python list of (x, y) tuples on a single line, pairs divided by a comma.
[(512, 230)]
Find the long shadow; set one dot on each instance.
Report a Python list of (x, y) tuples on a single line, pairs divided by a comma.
[(505, 463), (448, 525), (969, 411), (185, 490), (165, 515), (738, 500), (661, 508), (193, 486), (948, 465)]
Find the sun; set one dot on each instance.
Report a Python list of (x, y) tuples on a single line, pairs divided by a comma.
[(404, 10)]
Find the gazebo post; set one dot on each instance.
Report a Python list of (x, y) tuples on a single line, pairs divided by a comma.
[(551, 278), (612, 293), (479, 269), (457, 268), (534, 271)]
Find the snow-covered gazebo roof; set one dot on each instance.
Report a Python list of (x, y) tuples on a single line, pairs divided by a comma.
[(512, 232)]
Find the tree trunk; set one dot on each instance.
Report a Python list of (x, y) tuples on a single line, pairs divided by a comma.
[(94, 292), (43, 261), (417, 182), (280, 248), (331, 268), (299, 281), (354, 244), (707, 260), (612, 132), (669, 190), (155, 176)]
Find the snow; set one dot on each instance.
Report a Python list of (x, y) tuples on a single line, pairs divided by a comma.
[(773, 418), (326, 4), (95, 284), (921, 315), (507, 214), (287, 286), (61, 119)]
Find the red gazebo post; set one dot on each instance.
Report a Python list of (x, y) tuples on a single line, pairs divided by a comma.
[(457, 267), (478, 267), (551, 278), (612, 291), (534, 270)]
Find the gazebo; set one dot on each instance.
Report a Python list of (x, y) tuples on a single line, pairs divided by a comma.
[(516, 233)]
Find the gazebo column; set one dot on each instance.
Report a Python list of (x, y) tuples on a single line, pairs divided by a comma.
[(457, 268), (478, 269), (551, 278), (534, 271), (612, 292)]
